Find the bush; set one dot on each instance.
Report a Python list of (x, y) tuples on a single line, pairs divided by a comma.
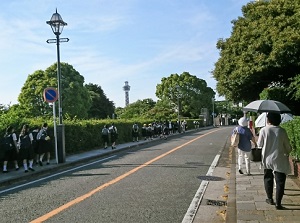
[(293, 130)]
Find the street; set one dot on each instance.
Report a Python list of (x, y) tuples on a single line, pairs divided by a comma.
[(150, 183)]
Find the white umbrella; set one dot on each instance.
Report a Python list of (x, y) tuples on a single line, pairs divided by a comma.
[(261, 120), (285, 117), (266, 106)]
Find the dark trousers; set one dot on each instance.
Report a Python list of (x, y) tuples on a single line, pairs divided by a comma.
[(280, 179)]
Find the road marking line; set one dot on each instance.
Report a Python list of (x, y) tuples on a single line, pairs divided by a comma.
[(192, 210), (103, 186)]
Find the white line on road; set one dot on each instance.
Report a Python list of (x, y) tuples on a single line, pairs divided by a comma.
[(54, 175), (191, 212)]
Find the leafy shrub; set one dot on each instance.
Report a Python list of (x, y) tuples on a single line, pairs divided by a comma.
[(293, 130)]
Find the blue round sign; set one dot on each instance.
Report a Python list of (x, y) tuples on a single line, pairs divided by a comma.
[(50, 94)]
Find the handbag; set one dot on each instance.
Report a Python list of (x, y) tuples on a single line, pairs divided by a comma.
[(255, 155), (235, 138)]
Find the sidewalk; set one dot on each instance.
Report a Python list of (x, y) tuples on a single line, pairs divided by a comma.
[(245, 197), (251, 197)]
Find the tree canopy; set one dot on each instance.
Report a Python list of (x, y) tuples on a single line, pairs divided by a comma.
[(101, 107), (138, 109), (262, 51), (188, 91), (76, 100)]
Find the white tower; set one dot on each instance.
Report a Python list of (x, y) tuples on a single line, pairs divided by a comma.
[(126, 88)]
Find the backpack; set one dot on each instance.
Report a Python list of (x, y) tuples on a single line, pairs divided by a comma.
[(135, 127), (113, 130), (104, 131), (25, 141), (7, 142), (235, 138), (41, 135)]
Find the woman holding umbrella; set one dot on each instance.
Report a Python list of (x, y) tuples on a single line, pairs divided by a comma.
[(275, 157)]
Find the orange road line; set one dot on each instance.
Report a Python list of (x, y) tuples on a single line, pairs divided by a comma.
[(89, 194)]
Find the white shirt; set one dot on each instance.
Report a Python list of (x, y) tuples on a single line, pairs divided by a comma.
[(275, 148)]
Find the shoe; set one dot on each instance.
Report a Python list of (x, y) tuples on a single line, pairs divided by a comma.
[(41, 163), (5, 171), (17, 168), (280, 207), (31, 168), (48, 163), (26, 171), (270, 201), (240, 171), (248, 174), (105, 147)]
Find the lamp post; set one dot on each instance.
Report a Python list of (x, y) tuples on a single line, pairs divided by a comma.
[(57, 24), (213, 111), (178, 102)]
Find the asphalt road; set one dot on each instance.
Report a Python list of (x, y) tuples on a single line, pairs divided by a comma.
[(154, 183)]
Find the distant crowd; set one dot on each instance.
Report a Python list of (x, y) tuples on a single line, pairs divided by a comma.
[(146, 131)]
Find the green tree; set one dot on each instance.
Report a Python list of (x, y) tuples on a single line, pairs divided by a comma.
[(263, 50), (101, 107), (138, 109), (76, 100), (186, 90)]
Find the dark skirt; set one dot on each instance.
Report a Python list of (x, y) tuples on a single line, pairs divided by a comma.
[(26, 153), (105, 138), (10, 155), (113, 137), (44, 146)]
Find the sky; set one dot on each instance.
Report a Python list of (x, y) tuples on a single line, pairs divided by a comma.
[(113, 41)]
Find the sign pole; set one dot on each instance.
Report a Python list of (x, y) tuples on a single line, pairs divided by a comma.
[(55, 133), (51, 96)]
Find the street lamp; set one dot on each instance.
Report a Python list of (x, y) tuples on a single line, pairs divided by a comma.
[(57, 24), (178, 97), (213, 111)]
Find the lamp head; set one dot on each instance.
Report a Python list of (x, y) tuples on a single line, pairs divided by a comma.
[(57, 24)]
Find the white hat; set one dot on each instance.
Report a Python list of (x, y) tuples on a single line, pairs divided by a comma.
[(243, 121)]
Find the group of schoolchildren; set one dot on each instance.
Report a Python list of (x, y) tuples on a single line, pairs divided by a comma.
[(148, 132), (29, 146), (157, 129), (109, 133)]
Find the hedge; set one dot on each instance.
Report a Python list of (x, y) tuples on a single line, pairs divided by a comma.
[(85, 135), (293, 130)]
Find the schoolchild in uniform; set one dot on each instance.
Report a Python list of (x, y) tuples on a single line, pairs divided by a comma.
[(44, 144), (11, 152), (25, 146)]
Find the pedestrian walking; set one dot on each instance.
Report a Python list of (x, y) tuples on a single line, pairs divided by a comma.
[(105, 136), (135, 132), (165, 130), (35, 143), (275, 158), (113, 135), (144, 131), (44, 144), (244, 145), (25, 145), (10, 147)]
